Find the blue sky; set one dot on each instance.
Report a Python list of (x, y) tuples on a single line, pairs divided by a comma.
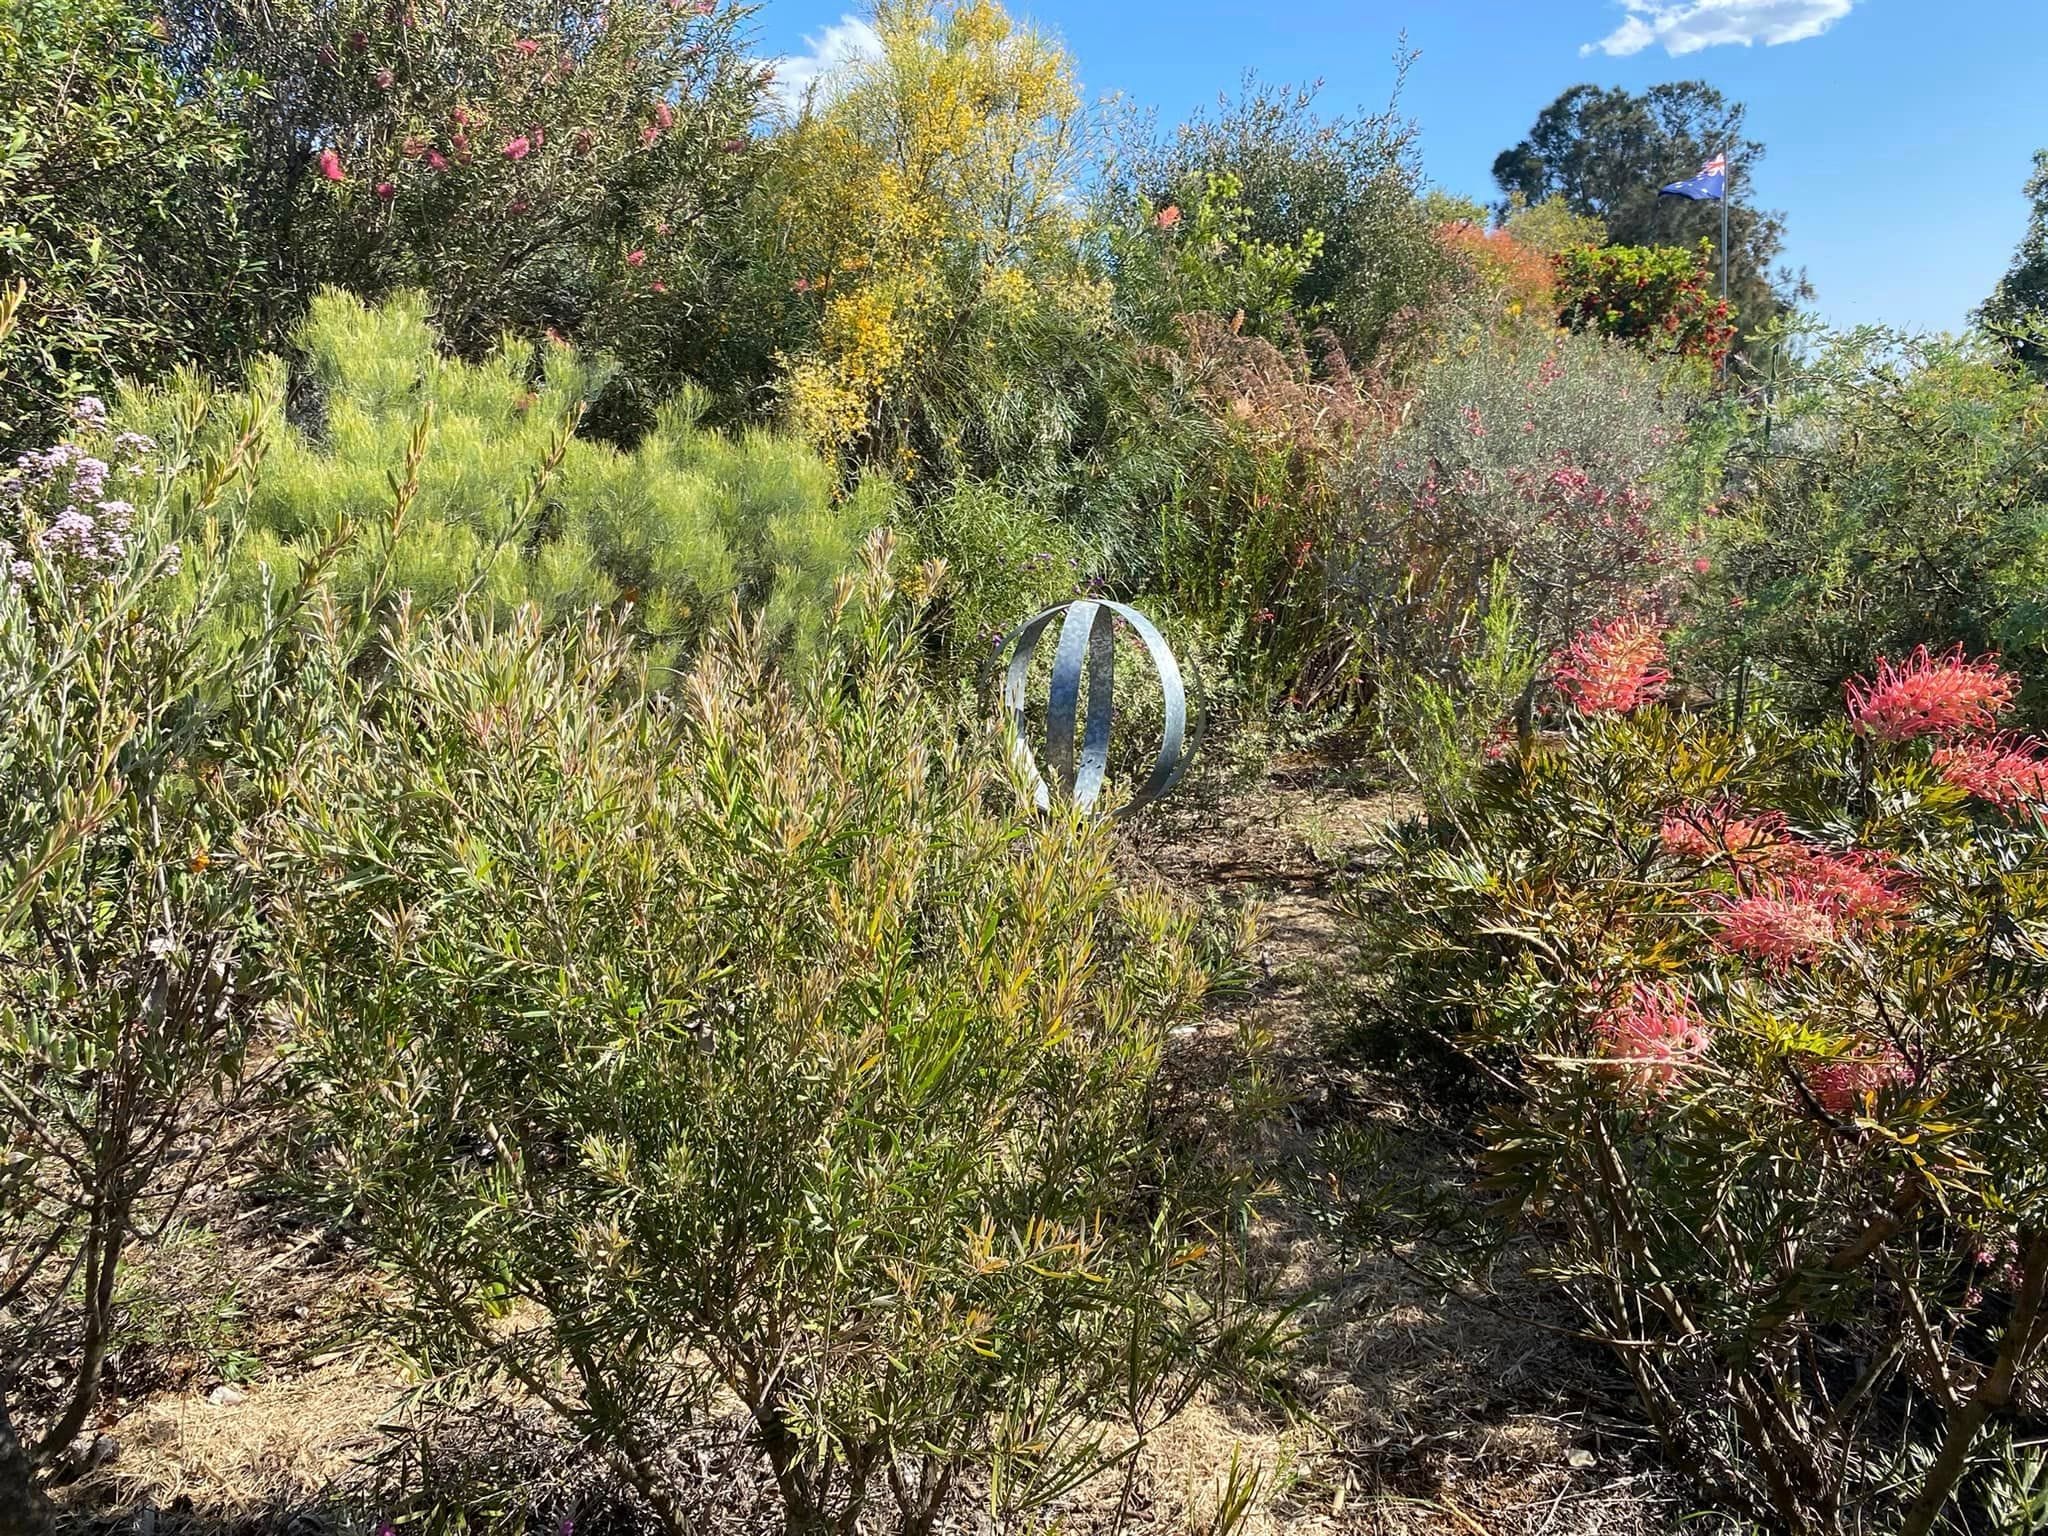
[(1897, 132)]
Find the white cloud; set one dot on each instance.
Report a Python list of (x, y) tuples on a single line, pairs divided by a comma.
[(1686, 26), (847, 41)]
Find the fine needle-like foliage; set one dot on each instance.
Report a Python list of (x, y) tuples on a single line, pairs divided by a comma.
[(751, 1040)]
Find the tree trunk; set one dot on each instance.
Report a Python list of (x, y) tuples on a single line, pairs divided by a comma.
[(23, 1510)]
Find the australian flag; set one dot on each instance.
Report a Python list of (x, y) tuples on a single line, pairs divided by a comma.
[(1707, 185)]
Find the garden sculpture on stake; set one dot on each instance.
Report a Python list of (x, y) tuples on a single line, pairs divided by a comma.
[(1089, 634)]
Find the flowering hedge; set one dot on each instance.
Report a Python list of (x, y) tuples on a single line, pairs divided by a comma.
[(1761, 1021)]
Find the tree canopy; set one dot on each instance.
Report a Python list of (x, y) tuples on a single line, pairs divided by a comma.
[(2021, 296)]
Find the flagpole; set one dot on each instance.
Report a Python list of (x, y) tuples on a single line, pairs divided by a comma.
[(1727, 186)]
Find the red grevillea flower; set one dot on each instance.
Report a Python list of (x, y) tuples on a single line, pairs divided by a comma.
[(1168, 216), (518, 147), (636, 258), (1842, 1085), (1614, 667), (1716, 831), (2008, 773), (1781, 927), (664, 114), (330, 165), (1927, 695), (436, 160), (386, 191), (1651, 1036)]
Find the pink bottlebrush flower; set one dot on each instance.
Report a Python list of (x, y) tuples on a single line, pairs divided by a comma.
[(436, 160), (664, 114), (1709, 832), (330, 165), (2004, 772), (1927, 695), (1841, 1086), (1614, 667), (386, 191), (1651, 1036), (1703, 565), (518, 147), (1781, 927), (527, 46), (658, 286), (1169, 216), (636, 258)]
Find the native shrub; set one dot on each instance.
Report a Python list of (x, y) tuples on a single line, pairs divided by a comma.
[(1509, 277), (117, 209), (1660, 297), (1540, 459), (512, 505), (1893, 492), (1758, 1024), (139, 760), (565, 167), (756, 1042)]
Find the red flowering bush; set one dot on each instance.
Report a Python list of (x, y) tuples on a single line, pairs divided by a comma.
[(1659, 297), (1759, 1025)]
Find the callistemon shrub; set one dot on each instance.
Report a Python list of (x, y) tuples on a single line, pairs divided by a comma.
[(752, 1039), (1760, 1026)]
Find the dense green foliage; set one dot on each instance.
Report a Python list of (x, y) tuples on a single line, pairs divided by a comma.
[(1660, 298), (512, 506), (742, 1047), (118, 210)]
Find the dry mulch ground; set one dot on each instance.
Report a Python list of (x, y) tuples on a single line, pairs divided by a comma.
[(251, 1401)]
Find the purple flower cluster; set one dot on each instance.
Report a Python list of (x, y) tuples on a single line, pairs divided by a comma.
[(91, 531)]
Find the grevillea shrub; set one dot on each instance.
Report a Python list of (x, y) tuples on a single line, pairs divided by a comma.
[(1758, 1025), (138, 764), (512, 504), (753, 1043), (1659, 297)]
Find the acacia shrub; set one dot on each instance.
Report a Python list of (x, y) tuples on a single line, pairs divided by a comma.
[(1756, 1025), (753, 1039)]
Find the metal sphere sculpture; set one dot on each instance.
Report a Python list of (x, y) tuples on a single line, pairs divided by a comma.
[(1088, 636)]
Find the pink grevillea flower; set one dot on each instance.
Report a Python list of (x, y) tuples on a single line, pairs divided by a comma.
[(1781, 927), (664, 114), (658, 286), (436, 160), (1860, 885), (518, 147), (330, 165), (1651, 1036), (1717, 831), (1168, 217), (2005, 772), (386, 191), (1927, 695), (1614, 667), (527, 46), (648, 135), (1843, 1085), (636, 258)]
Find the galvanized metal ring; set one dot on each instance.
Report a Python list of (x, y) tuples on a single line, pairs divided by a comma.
[(1089, 633)]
